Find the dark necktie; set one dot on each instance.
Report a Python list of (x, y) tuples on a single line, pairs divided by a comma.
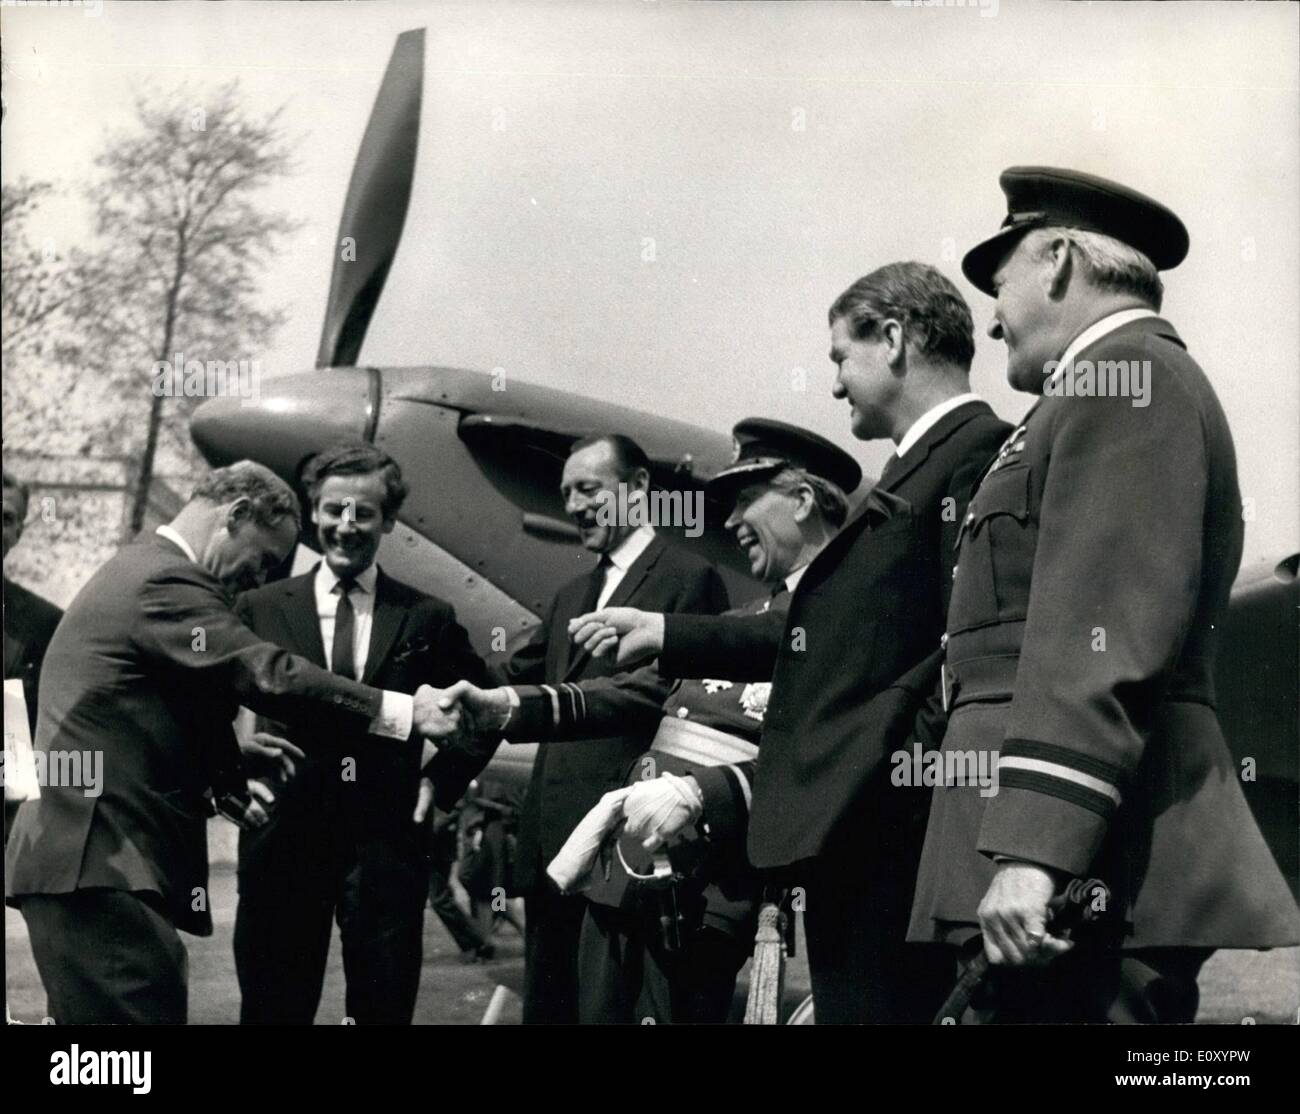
[(345, 625), (589, 601)]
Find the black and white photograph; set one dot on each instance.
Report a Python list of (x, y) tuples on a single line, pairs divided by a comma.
[(651, 512)]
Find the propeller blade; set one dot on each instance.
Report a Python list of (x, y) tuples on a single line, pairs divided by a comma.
[(375, 210)]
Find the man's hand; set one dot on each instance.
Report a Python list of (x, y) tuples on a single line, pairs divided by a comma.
[(486, 710), (280, 753), (1013, 917), (636, 634), (659, 809), (260, 801), (431, 721), (424, 799)]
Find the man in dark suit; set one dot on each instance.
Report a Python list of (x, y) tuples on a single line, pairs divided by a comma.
[(1095, 565), (341, 841), (29, 620), (143, 676), (857, 658), (637, 568), (785, 490)]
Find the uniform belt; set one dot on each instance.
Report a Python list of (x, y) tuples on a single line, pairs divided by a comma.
[(705, 746)]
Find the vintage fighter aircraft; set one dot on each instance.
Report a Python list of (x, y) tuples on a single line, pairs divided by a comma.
[(484, 527)]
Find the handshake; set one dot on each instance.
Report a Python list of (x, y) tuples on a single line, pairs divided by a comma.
[(459, 715)]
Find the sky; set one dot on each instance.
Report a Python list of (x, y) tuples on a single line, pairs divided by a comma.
[(655, 203)]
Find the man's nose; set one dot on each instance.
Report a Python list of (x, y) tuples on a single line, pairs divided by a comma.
[(733, 521), (995, 329)]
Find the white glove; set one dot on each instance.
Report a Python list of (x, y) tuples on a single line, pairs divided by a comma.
[(659, 809), (572, 867)]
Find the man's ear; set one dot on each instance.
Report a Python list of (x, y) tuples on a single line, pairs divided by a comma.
[(238, 513), (892, 333), (388, 525), (639, 481), (807, 500), (1058, 263)]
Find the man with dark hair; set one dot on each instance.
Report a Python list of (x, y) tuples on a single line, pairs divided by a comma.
[(855, 662), (636, 567), (141, 681), (29, 620), (785, 490), (1096, 562), (342, 842)]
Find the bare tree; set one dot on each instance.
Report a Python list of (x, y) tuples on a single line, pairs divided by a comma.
[(37, 284), (181, 237)]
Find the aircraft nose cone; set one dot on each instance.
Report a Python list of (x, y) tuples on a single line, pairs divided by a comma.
[(290, 418)]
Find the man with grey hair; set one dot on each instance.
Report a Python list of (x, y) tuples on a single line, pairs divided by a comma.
[(1096, 561), (145, 674)]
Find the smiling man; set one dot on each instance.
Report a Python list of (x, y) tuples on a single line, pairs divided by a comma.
[(786, 493), (637, 567), (344, 840), (147, 669), (858, 654)]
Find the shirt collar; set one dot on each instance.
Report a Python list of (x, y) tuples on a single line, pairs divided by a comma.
[(630, 548), (167, 532), (326, 581), (1099, 329), (926, 421), (792, 580)]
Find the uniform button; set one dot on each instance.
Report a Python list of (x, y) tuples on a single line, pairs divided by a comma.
[(954, 570), (682, 713), (338, 699), (943, 642), (970, 517)]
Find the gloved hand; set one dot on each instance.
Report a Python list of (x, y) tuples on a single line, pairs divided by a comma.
[(660, 809), (572, 867)]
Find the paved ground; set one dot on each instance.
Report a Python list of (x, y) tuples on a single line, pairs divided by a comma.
[(1262, 985)]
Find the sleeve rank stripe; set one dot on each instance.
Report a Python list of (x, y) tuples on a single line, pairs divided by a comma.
[(1063, 756), (1063, 789)]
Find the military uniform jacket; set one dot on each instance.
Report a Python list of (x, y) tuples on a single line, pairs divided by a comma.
[(147, 669), (1094, 570), (569, 778), (639, 700), (855, 659)]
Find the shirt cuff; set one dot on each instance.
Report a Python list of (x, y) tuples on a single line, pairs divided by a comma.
[(396, 716)]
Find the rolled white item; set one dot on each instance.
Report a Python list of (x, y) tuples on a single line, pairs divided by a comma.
[(657, 801), (571, 868)]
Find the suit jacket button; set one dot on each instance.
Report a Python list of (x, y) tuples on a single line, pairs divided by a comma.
[(954, 570), (682, 713), (943, 642), (338, 699)]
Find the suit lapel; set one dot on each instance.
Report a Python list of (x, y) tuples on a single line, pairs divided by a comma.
[(387, 622), (919, 453), (301, 620), (627, 587)]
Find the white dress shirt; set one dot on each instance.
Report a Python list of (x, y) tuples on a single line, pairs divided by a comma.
[(325, 585), (926, 421), (621, 558), (397, 709)]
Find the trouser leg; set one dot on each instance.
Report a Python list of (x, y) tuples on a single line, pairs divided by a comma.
[(107, 957), (552, 929)]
